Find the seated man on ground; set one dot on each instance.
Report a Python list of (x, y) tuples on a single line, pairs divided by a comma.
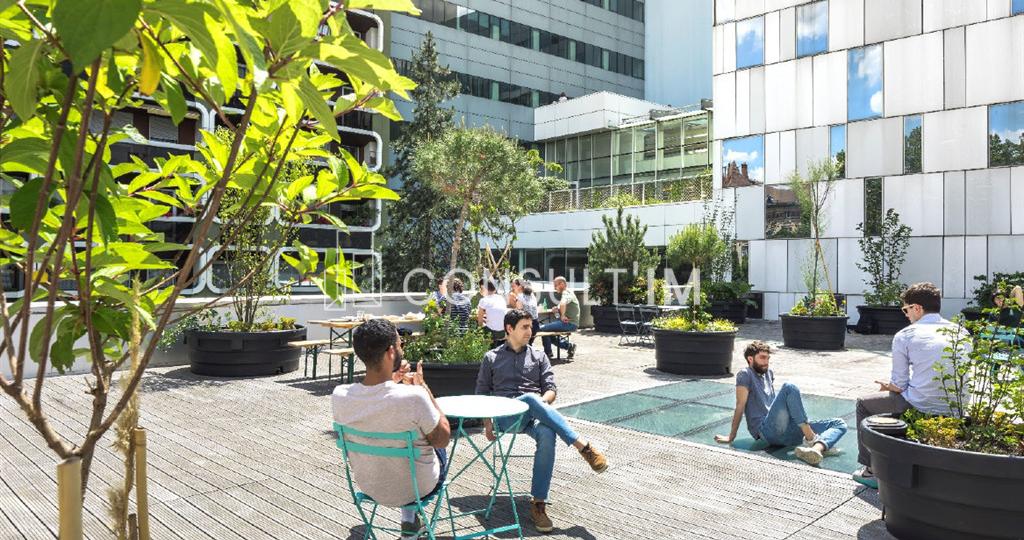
[(390, 400), (915, 351), (517, 370), (567, 315), (778, 419)]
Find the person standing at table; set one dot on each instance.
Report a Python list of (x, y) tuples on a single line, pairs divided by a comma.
[(518, 371), (491, 312), (382, 404), (522, 298)]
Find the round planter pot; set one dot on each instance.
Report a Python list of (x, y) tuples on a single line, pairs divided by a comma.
[(817, 333), (451, 379), (972, 314), (605, 319), (243, 354), (881, 320), (932, 493), (694, 353), (734, 311)]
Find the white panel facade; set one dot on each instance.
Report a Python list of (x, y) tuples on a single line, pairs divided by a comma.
[(940, 14), (750, 205), (775, 268), (1005, 254), (725, 10), (998, 8), (975, 259), (771, 38), (780, 92), (742, 123), (787, 154), (717, 50), (749, 8), (954, 68), (988, 206), (954, 140), (995, 72), (874, 148), (891, 19), (845, 209), (913, 75), (953, 209), (725, 105), (729, 54), (1017, 195), (787, 34), (811, 147), (805, 92), (918, 200), (757, 101), (851, 279), (953, 282), (756, 264), (830, 88), (771, 306), (922, 262), (772, 165), (845, 24), (800, 253)]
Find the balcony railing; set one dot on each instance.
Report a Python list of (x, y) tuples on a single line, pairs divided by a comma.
[(639, 194)]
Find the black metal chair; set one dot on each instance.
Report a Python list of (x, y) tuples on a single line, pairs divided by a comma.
[(646, 316), (629, 324)]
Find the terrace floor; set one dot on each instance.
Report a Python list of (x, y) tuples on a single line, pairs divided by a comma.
[(255, 458)]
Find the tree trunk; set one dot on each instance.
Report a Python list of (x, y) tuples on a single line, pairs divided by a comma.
[(457, 243)]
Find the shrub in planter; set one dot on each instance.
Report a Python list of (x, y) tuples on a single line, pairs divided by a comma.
[(727, 300), (959, 475), (691, 342), (618, 257), (451, 355), (816, 322), (883, 254)]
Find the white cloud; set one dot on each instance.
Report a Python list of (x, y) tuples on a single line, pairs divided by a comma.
[(876, 102), (812, 23), (1011, 134), (869, 65), (740, 157), (756, 174), (750, 28)]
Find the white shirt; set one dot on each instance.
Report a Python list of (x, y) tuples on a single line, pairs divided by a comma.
[(389, 408), (915, 351), (494, 307)]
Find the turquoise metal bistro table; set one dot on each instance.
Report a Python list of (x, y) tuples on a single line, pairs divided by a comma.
[(462, 408)]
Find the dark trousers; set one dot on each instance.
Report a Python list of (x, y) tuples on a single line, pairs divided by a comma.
[(536, 328), (878, 403), (497, 338)]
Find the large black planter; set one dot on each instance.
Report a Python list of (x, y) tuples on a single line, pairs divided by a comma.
[(972, 314), (605, 319), (730, 310), (243, 354), (881, 319), (817, 333), (932, 493), (694, 353), (451, 379)]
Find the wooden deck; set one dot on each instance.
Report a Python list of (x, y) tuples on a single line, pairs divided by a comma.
[(255, 458)]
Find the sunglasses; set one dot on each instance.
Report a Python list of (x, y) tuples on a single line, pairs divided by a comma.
[(905, 309)]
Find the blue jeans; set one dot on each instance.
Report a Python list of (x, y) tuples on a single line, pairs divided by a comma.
[(782, 425), (541, 423), (442, 459), (556, 326)]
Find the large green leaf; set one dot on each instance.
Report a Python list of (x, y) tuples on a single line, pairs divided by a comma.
[(291, 26), (199, 23), (317, 105), (86, 28), (173, 99), (27, 155), (22, 78), (106, 219), (235, 15), (149, 79), (23, 204)]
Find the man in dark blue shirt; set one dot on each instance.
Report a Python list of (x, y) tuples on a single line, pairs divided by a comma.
[(518, 371), (778, 418)]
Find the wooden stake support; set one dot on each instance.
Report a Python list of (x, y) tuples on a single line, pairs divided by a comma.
[(141, 495), (69, 498)]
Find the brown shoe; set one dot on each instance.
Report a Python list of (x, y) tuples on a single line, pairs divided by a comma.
[(594, 457), (538, 512)]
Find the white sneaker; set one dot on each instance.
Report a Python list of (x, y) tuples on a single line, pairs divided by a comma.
[(809, 454)]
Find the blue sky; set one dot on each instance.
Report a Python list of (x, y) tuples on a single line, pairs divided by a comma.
[(812, 28), (750, 42), (1007, 120), (1018, 6), (837, 140), (749, 150), (864, 83)]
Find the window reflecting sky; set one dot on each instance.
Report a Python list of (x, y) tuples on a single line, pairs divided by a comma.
[(837, 140), (1018, 6), (743, 161), (864, 83), (750, 42), (812, 29), (1005, 134)]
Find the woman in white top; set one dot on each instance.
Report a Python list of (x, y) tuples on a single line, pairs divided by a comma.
[(522, 298)]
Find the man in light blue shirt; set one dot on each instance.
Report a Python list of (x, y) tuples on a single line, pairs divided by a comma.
[(913, 383)]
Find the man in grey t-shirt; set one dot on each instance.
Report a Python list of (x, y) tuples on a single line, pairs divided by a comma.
[(778, 418)]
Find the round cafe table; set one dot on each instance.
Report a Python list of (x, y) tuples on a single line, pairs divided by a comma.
[(462, 408)]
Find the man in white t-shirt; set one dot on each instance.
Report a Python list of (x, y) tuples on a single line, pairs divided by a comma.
[(491, 312), (381, 403)]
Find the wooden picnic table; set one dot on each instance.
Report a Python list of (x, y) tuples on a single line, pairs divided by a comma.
[(341, 329)]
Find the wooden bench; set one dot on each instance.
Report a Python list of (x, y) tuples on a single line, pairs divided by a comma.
[(348, 359), (558, 350), (310, 349)]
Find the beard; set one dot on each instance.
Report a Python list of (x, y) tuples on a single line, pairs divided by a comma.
[(761, 370), (398, 361)]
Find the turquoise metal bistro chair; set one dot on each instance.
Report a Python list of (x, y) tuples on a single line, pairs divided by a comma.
[(365, 504)]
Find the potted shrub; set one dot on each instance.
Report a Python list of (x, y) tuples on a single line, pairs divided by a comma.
[(620, 270), (450, 354), (959, 475), (817, 321), (691, 342), (727, 300), (883, 252), (984, 293)]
